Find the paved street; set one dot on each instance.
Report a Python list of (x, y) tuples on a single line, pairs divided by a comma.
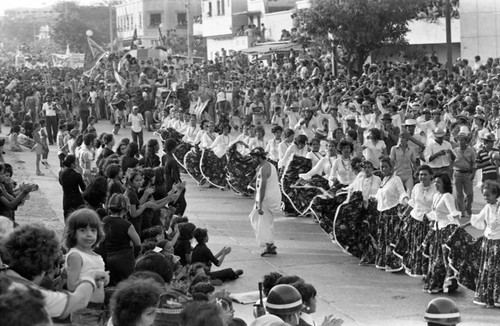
[(358, 295)]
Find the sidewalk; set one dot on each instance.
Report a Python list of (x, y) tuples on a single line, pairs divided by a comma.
[(358, 295)]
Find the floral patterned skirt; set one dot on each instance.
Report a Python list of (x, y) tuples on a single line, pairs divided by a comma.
[(439, 269), (171, 133), (298, 199), (240, 173), (324, 209), (307, 190), (387, 232), (192, 163), (488, 280), (464, 257), (213, 168), (354, 225), (180, 152), (409, 246)]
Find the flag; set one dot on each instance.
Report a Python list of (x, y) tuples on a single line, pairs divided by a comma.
[(162, 41), (92, 52), (133, 45), (119, 79)]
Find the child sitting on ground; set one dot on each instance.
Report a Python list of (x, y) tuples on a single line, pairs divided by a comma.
[(13, 139)]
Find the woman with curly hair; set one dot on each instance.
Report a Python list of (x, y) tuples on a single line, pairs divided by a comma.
[(182, 247), (114, 173), (20, 306), (444, 221), (129, 158), (134, 303), (95, 195), (151, 159), (30, 251), (342, 174), (108, 142), (135, 180)]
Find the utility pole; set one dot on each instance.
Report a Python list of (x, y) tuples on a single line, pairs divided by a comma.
[(110, 26), (189, 19), (449, 58)]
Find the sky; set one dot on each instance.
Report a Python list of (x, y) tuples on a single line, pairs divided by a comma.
[(5, 4)]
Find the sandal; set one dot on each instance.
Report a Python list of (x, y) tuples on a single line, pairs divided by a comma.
[(39, 173)]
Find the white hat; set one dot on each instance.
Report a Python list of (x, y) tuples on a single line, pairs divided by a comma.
[(410, 122)]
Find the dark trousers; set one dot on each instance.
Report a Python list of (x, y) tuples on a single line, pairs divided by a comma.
[(85, 121), (51, 123), (181, 204), (120, 265), (138, 136), (226, 274)]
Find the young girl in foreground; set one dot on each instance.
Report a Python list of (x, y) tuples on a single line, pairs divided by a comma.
[(488, 281), (82, 233)]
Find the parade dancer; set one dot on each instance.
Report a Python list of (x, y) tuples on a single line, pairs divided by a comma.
[(267, 201)]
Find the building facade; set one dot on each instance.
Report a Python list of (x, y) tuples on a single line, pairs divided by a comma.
[(480, 29), (236, 24), (147, 16)]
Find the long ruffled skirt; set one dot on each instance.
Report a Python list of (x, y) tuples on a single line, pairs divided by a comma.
[(409, 246), (192, 163), (464, 257), (439, 270), (213, 168), (488, 280), (240, 172), (387, 232), (296, 198), (324, 208), (180, 152)]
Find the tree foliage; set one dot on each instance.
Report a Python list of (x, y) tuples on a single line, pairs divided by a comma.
[(358, 26), (18, 31), (74, 20)]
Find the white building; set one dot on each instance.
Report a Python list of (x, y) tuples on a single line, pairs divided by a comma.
[(223, 21), (148, 15), (480, 29)]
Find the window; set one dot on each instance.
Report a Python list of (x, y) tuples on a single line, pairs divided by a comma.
[(181, 19), (154, 20), (128, 24), (140, 19), (223, 9), (209, 9), (131, 21), (218, 8)]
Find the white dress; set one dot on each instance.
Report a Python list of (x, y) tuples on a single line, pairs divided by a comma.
[(263, 225)]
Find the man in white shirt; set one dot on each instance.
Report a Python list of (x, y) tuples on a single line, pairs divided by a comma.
[(438, 153), (428, 126), (136, 121), (49, 110)]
